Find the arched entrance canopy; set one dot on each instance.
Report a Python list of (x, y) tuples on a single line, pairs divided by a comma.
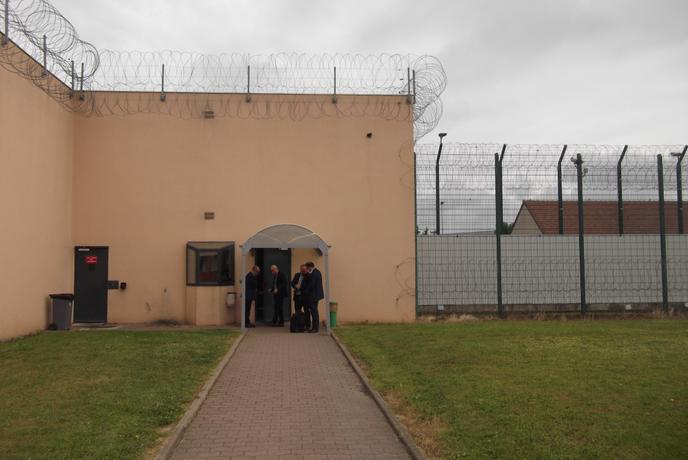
[(286, 236)]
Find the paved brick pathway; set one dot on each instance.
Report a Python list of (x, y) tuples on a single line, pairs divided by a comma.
[(289, 396)]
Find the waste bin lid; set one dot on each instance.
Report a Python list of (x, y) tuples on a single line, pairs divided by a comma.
[(62, 296)]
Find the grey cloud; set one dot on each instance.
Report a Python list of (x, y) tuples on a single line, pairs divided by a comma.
[(610, 71)]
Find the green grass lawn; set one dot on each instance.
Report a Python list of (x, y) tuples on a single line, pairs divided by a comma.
[(534, 389), (99, 394)]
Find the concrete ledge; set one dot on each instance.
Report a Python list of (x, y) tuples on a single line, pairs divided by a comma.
[(171, 442), (572, 308), (403, 435)]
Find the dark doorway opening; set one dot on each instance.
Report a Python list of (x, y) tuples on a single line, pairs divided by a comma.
[(90, 284), (265, 302)]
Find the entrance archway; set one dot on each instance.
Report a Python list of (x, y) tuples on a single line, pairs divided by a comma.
[(286, 236)]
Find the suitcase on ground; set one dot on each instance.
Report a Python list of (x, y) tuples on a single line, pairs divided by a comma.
[(297, 323)]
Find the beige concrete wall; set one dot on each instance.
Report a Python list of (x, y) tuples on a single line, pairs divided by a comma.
[(36, 255), (143, 182)]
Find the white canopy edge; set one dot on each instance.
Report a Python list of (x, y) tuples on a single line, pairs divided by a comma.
[(285, 236)]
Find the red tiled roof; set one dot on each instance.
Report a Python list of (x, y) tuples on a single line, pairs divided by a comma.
[(601, 217)]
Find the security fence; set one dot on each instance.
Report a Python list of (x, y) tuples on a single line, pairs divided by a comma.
[(550, 228)]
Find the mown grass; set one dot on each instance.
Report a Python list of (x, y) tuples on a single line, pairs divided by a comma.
[(534, 389), (104, 394)]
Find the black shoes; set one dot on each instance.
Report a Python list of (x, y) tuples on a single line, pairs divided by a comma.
[(312, 331), (249, 325)]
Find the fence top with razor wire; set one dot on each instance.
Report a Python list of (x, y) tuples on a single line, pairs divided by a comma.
[(37, 29), (529, 173)]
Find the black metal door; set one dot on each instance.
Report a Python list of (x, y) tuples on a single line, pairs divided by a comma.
[(90, 284), (281, 258)]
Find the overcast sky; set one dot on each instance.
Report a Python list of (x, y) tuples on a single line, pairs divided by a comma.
[(527, 71)]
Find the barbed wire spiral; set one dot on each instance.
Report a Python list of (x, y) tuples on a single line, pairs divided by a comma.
[(529, 172), (45, 48)]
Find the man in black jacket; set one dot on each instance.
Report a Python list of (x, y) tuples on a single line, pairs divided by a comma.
[(315, 293), (279, 293), (299, 303), (251, 293)]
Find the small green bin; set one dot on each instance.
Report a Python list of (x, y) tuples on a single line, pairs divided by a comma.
[(333, 314)]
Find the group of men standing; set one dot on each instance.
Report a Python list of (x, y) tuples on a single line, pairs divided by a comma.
[(308, 292)]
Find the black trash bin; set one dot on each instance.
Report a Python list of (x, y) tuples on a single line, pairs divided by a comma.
[(61, 314)]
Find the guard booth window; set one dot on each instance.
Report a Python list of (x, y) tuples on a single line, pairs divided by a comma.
[(210, 263)]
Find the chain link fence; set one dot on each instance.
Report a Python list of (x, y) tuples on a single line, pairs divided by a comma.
[(550, 228)]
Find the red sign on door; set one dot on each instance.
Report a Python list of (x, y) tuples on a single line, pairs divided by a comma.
[(91, 260)]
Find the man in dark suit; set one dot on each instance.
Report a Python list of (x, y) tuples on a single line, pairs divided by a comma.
[(315, 294), (251, 283), (299, 303), (279, 293)]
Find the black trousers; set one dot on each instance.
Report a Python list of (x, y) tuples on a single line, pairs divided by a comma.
[(300, 305), (247, 307), (315, 316), (278, 315)]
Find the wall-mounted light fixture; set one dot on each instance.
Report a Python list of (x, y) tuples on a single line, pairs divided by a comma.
[(209, 215)]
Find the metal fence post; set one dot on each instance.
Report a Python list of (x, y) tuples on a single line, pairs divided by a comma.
[(408, 85), (81, 83), (334, 94), (71, 93), (248, 83), (679, 190), (5, 35), (581, 233), (162, 85), (415, 227), (499, 222), (437, 186), (619, 190), (560, 192), (45, 55), (662, 235)]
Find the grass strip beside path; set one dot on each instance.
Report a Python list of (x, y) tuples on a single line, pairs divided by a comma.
[(534, 389), (100, 394)]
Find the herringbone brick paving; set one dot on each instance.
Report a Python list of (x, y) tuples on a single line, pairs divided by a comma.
[(288, 396)]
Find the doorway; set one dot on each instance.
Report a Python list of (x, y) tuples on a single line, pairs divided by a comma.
[(90, 284), (265, 258), (286, 237)]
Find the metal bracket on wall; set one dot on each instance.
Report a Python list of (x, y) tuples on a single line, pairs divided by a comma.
[(45, 55), (334, 94), (248, 84), (6, 34), (81, 84), (71, 92), (409, 100), (162, 85)]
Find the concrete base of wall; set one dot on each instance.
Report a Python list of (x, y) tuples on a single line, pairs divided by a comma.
[(569, 308)]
